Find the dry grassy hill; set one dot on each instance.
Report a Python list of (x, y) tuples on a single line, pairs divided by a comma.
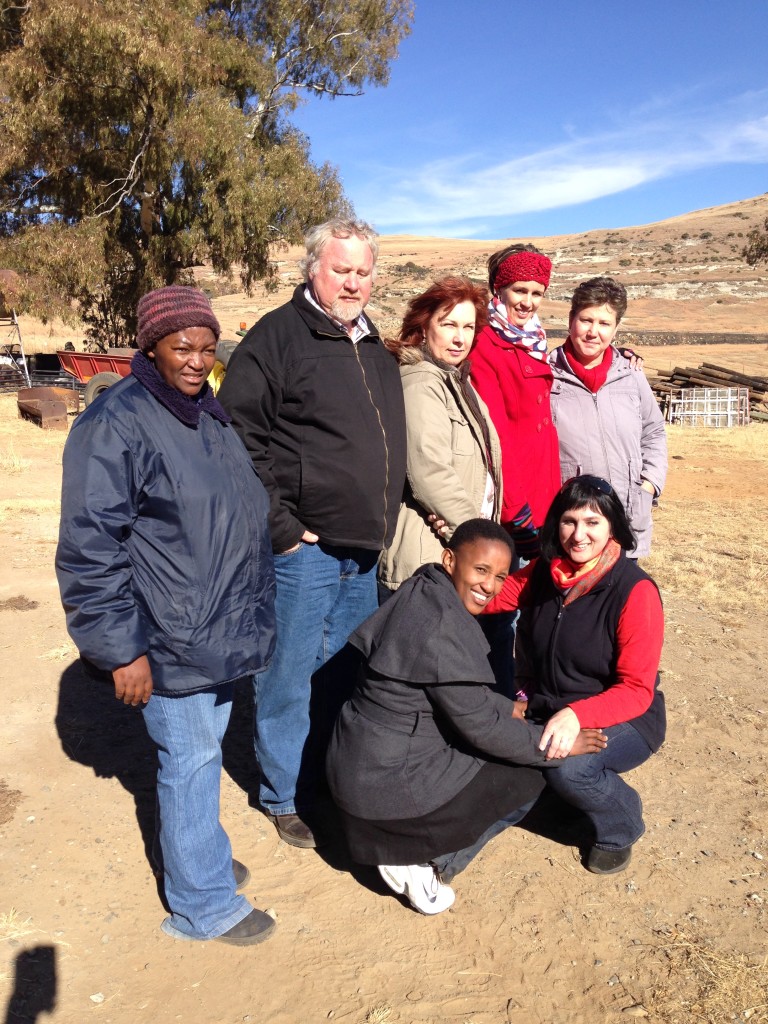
[(685, 274)]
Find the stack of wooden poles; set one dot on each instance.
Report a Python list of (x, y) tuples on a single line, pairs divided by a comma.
[(708, 375)]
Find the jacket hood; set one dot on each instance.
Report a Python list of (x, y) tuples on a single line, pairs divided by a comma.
[(424, 634)]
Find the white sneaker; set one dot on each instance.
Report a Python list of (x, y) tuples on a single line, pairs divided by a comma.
[(419, 882)]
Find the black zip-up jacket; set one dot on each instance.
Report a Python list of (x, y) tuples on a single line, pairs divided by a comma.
[(324, 422)]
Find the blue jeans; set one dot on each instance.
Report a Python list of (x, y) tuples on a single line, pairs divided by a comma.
[(323, 594), (196, 854), (592, 783), (450, 864)]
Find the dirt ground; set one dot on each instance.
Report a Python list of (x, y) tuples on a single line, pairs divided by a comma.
[(532, 937)]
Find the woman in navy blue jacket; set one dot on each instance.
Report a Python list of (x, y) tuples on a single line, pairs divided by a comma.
[(166, 575)]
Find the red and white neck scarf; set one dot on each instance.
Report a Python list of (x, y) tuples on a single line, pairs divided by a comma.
[(532, 337)]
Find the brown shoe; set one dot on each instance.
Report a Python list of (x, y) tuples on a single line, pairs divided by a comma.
[(294, 831), (254, 928)]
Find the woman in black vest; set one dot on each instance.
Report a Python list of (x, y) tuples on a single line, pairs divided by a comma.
[(590, 644)]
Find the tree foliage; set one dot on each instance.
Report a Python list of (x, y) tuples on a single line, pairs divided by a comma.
[(143, 138), (756, 249)]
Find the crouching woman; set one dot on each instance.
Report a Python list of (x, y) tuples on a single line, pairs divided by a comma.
[(590, 641), (426, 760)]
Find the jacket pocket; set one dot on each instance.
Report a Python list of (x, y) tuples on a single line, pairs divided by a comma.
[(462, 441)]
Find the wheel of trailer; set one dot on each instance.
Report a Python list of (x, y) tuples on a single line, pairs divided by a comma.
[(98, 383)]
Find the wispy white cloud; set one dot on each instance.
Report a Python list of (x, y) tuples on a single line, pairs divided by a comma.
[(470, 193)]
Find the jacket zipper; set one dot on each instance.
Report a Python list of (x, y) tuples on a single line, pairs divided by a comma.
[(553, 644), (384, 437)]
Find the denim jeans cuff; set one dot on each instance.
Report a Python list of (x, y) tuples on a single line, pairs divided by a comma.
[(229, 921), (625, 846), (274, 812)]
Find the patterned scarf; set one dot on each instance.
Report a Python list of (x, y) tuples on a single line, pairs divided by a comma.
[(532, 337), (575, 580)]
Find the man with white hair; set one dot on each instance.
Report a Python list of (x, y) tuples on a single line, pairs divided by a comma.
[(317, 399)]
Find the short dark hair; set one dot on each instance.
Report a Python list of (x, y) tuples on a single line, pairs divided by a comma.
[(585, 491), (497, 258), (599, 291), (472, 530)]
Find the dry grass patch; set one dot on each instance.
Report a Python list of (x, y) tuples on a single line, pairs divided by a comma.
[(709, 986), (9, 801), (11, 463), (64, 652), (378, 1015), (14, 429), (714, 553), (713, 548), (14, 926)]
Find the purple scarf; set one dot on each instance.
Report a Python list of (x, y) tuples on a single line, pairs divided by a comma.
[(186, 408)]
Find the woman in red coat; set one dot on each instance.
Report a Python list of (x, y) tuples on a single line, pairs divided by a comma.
[(511, 374)]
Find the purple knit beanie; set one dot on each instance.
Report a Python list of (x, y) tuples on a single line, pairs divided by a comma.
[(167, 310)]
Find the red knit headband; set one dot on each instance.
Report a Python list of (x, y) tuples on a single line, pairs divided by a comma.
[(168, 310), (523, 266)]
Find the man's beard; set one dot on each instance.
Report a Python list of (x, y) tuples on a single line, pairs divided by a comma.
[(346, 311)]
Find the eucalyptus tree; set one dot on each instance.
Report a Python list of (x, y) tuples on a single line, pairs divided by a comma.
[(140, 139)]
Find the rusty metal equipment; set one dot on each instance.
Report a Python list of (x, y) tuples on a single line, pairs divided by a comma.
[(48, 407)]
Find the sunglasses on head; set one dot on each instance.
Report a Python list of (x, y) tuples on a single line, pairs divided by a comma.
[(591, 481)]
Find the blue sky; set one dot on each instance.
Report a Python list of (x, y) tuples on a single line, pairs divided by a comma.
[(511, 119)]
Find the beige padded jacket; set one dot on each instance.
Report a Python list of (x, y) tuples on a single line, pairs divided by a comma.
[(447, 468)]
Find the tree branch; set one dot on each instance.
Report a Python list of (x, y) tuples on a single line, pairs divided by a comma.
[(129, 182)]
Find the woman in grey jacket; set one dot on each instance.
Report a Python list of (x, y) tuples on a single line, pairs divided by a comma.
[(608, 421), (454, 458)]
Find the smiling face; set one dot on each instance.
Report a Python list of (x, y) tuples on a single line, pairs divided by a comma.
[(451, 332), (184, 359), (591, 331), (521, 300), (478, 571), (343, 277), (583, 534)]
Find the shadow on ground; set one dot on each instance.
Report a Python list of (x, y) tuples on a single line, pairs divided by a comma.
[(34, 985), (102, 733)]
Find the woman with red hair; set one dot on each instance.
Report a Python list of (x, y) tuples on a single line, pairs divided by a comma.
[(454, 456)]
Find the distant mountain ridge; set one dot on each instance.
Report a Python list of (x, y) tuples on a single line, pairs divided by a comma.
[(684, 274)]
